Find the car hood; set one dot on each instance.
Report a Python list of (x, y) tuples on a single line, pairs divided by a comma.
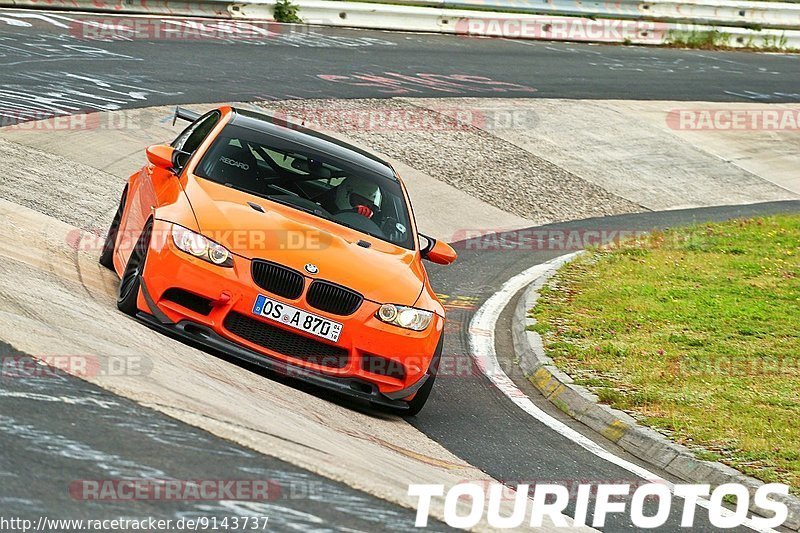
[(383, 273)]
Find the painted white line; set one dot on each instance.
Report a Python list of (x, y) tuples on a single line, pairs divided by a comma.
[(105, 404), (16, 23), (38, 16), (481, 343)]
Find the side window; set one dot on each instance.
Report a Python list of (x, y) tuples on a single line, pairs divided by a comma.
[(282, 160), (180, 139), (193, 136)]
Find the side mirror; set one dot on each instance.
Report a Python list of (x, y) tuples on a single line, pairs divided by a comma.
[(435, 251), (160, 155)]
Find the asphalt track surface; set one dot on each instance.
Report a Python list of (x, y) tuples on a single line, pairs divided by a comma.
[(46, 68), (57, 430), (52, 62)]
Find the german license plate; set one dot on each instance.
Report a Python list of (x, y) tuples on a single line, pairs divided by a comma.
[(297, 318)]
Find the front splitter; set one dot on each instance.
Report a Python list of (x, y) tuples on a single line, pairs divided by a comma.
[(187, 330)]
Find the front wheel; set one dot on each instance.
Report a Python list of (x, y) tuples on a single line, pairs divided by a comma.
[(420, 398), (416, 403), (131, 279), (107, 255)]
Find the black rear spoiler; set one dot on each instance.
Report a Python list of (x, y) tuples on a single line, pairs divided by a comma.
[(185, 114)]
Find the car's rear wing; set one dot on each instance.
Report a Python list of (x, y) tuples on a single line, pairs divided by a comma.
[(185, 114)]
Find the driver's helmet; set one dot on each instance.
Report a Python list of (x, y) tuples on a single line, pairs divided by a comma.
[(353, 192)]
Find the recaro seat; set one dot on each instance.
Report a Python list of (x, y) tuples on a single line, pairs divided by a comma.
[(238, 167)]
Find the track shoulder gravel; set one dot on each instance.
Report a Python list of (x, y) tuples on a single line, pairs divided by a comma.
[(640, 152), (472, 160)]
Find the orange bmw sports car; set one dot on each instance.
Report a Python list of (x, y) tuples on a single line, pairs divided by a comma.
[(286, 248)]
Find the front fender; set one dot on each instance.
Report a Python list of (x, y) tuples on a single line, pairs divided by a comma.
[(179, 211), (429, 301)]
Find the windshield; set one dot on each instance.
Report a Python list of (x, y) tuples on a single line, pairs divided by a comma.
[(287, 173)]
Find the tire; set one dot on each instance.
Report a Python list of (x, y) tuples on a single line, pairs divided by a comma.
[(107, 255), (416, 404), (131, 280)]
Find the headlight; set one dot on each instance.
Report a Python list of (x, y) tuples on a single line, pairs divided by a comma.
[(195, 244), (405, 317)]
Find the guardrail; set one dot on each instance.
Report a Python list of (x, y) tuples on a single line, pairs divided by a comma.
[(199, 8), (375, 15), (602, 26), (746, 14)]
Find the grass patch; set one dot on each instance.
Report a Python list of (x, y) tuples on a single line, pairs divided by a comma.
[(694, 331), (702, 40), (717, 40), (286, 11)]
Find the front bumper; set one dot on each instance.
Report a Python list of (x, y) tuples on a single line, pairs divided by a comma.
[(354, 388), (232, 290)]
